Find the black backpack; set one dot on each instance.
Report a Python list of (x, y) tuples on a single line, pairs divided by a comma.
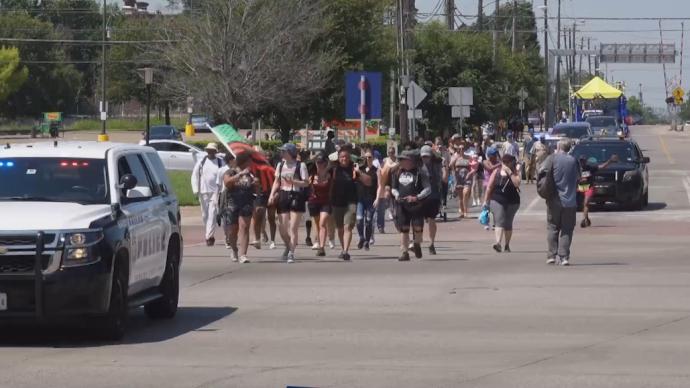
[(546, 183)]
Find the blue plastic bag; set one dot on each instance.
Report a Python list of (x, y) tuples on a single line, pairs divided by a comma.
[(484, 216)]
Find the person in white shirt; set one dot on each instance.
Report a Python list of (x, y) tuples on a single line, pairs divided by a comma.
[(510, 146), (205, 186)]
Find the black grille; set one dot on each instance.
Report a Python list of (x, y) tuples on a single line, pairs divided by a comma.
[(15, 240), (18, 264)]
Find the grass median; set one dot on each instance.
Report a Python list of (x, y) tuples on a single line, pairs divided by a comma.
[(181, 183)]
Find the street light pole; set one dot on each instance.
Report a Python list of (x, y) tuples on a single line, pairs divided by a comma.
[(547, 110), (148, 80), (104, 114)]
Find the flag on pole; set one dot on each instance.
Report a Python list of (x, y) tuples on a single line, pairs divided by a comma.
[(236, 143)]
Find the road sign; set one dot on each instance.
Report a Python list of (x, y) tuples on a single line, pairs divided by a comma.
[(678, 92), (460, 112), (637, 53), (522, 94), (521, 105), (415, 95), (353, 98), (414, 114), (460, 96)]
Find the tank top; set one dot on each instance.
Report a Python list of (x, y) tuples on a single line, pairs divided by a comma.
[(505, 191)]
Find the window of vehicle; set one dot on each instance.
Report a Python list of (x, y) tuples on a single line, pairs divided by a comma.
[(599, 153), (602, 121), (574, 132), (158, 173), (176, 147), (133, 164), (79, 180), (160, 146), (162, 132)]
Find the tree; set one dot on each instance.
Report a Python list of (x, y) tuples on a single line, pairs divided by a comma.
[(244, 58), (12, 75)]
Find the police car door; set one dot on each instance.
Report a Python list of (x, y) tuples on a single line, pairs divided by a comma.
[(148, 231)]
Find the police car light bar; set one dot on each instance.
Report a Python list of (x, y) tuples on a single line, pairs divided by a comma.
[(73, 164), (6, 164)]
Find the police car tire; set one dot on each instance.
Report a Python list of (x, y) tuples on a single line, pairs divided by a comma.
[(166, 306), (114, 324)]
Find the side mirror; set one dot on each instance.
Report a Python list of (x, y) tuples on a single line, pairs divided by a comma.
[(128, 182), (139, 192), (644, 159)]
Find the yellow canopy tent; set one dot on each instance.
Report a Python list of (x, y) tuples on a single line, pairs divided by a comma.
[(597, 88)]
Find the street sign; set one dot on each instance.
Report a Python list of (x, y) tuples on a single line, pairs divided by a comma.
[(521, 105), (460, 112), (522, 94), (678, 93), (353, 98), (460, 96), (637, 53), (414, 114), (415, 95)]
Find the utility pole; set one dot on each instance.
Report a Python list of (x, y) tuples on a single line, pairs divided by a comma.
[(589, 57), (450, 14), (582, 47), (514, 32), (405, 23), (573, 46), (103, 136), (640, 96), (480, 15), (547, 110), (495, 32), (558, 60)]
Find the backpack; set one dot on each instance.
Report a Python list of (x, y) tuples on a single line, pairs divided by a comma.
[(415, 208), (546, 183)]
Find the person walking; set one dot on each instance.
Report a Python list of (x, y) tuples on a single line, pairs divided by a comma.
[(437, 171), (561, 205), (229, 160), (288, 196), (540, 152), (489, 165), (410, 186), (366, 195), (319, 201), (265, 173), (528, 160), (343, 196), (503, 198), (586, 184), (463, 181), (205, 187), (241, 190)]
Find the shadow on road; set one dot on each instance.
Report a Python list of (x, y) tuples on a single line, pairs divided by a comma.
[(140, 330), (596, 264), (652, 206)]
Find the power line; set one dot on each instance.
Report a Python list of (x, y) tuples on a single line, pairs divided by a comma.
[(95, 42)]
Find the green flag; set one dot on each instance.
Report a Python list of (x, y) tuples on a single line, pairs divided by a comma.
[(227, 134)]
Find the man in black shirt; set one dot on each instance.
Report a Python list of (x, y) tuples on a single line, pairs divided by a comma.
[(410, 187), (329, 147), (366, 194)]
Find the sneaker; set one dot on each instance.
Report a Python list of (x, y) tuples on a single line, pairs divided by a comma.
[(417, 250), (487, 228), (320, 252), (410, 245), (233, 256), (366, 246), (551, 261), (404, 257), (565, 262), (290, 258), (497, 247), (346, 256), (243, 259), (382, 231), (341, 256), (272, 245), (256, 244), (432, 249), (506, 249), (308, 241), (315, 247), (360, 245), (285, 254), (331, 244), (227, 245)]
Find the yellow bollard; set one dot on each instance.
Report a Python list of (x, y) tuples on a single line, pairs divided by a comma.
[(103, 137), (189, 130)]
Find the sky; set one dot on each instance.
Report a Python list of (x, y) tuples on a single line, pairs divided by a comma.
[(651, 76)]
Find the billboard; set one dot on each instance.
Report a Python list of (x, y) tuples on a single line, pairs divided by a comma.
[(373, 89), (637, 53)]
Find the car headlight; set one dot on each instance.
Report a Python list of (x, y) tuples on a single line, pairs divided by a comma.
[(80, 247), (629, 176)]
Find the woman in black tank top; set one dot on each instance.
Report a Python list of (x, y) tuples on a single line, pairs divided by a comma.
[(503, 198)]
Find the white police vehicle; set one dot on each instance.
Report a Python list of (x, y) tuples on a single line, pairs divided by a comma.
[(87, 230)]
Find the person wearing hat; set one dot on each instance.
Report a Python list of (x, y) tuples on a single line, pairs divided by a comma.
[(206, 187), (288, 195), (410, 187), (437, 172)]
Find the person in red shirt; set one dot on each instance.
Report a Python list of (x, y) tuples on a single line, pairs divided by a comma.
[(319, 201), (265, 174)]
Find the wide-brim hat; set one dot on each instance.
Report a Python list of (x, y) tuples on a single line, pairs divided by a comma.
[(211, 147)]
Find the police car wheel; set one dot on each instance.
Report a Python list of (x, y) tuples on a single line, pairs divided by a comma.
[(166, 306), (115, 322)]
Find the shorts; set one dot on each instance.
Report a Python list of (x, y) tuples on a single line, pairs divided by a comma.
[(404, 218), (231, 215), (291, 201), (315, 209), (345, 215), (504, 214), (431, 208), (261, 200)]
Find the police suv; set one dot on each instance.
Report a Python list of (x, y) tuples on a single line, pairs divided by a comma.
[(87, 230)]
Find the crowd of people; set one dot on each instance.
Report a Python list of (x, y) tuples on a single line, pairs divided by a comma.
[(349, 191)]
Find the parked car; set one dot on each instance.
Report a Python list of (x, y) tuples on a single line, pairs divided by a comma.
[(574, 131), (606, 126), (625, 182), (177, 155), (201, 123), (162, 132)]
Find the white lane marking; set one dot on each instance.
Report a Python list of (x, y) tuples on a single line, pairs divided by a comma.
[(532, 204), (686, 184)]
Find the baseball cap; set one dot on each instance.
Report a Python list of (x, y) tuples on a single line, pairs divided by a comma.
[(290, 148), (426, 151), (492, 151), (406, 155)]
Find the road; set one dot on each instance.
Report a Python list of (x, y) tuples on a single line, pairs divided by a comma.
[(468, 317)]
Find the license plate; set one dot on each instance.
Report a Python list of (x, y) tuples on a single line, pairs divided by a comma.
[(3, 301)]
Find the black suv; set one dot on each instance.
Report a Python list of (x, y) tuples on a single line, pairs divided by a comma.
[(625, 182)]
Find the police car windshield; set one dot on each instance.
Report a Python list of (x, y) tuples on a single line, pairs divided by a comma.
[(574, 132), (76, 180), (600, 153)]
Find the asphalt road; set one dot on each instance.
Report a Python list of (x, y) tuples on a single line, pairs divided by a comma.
[(468, 317)]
